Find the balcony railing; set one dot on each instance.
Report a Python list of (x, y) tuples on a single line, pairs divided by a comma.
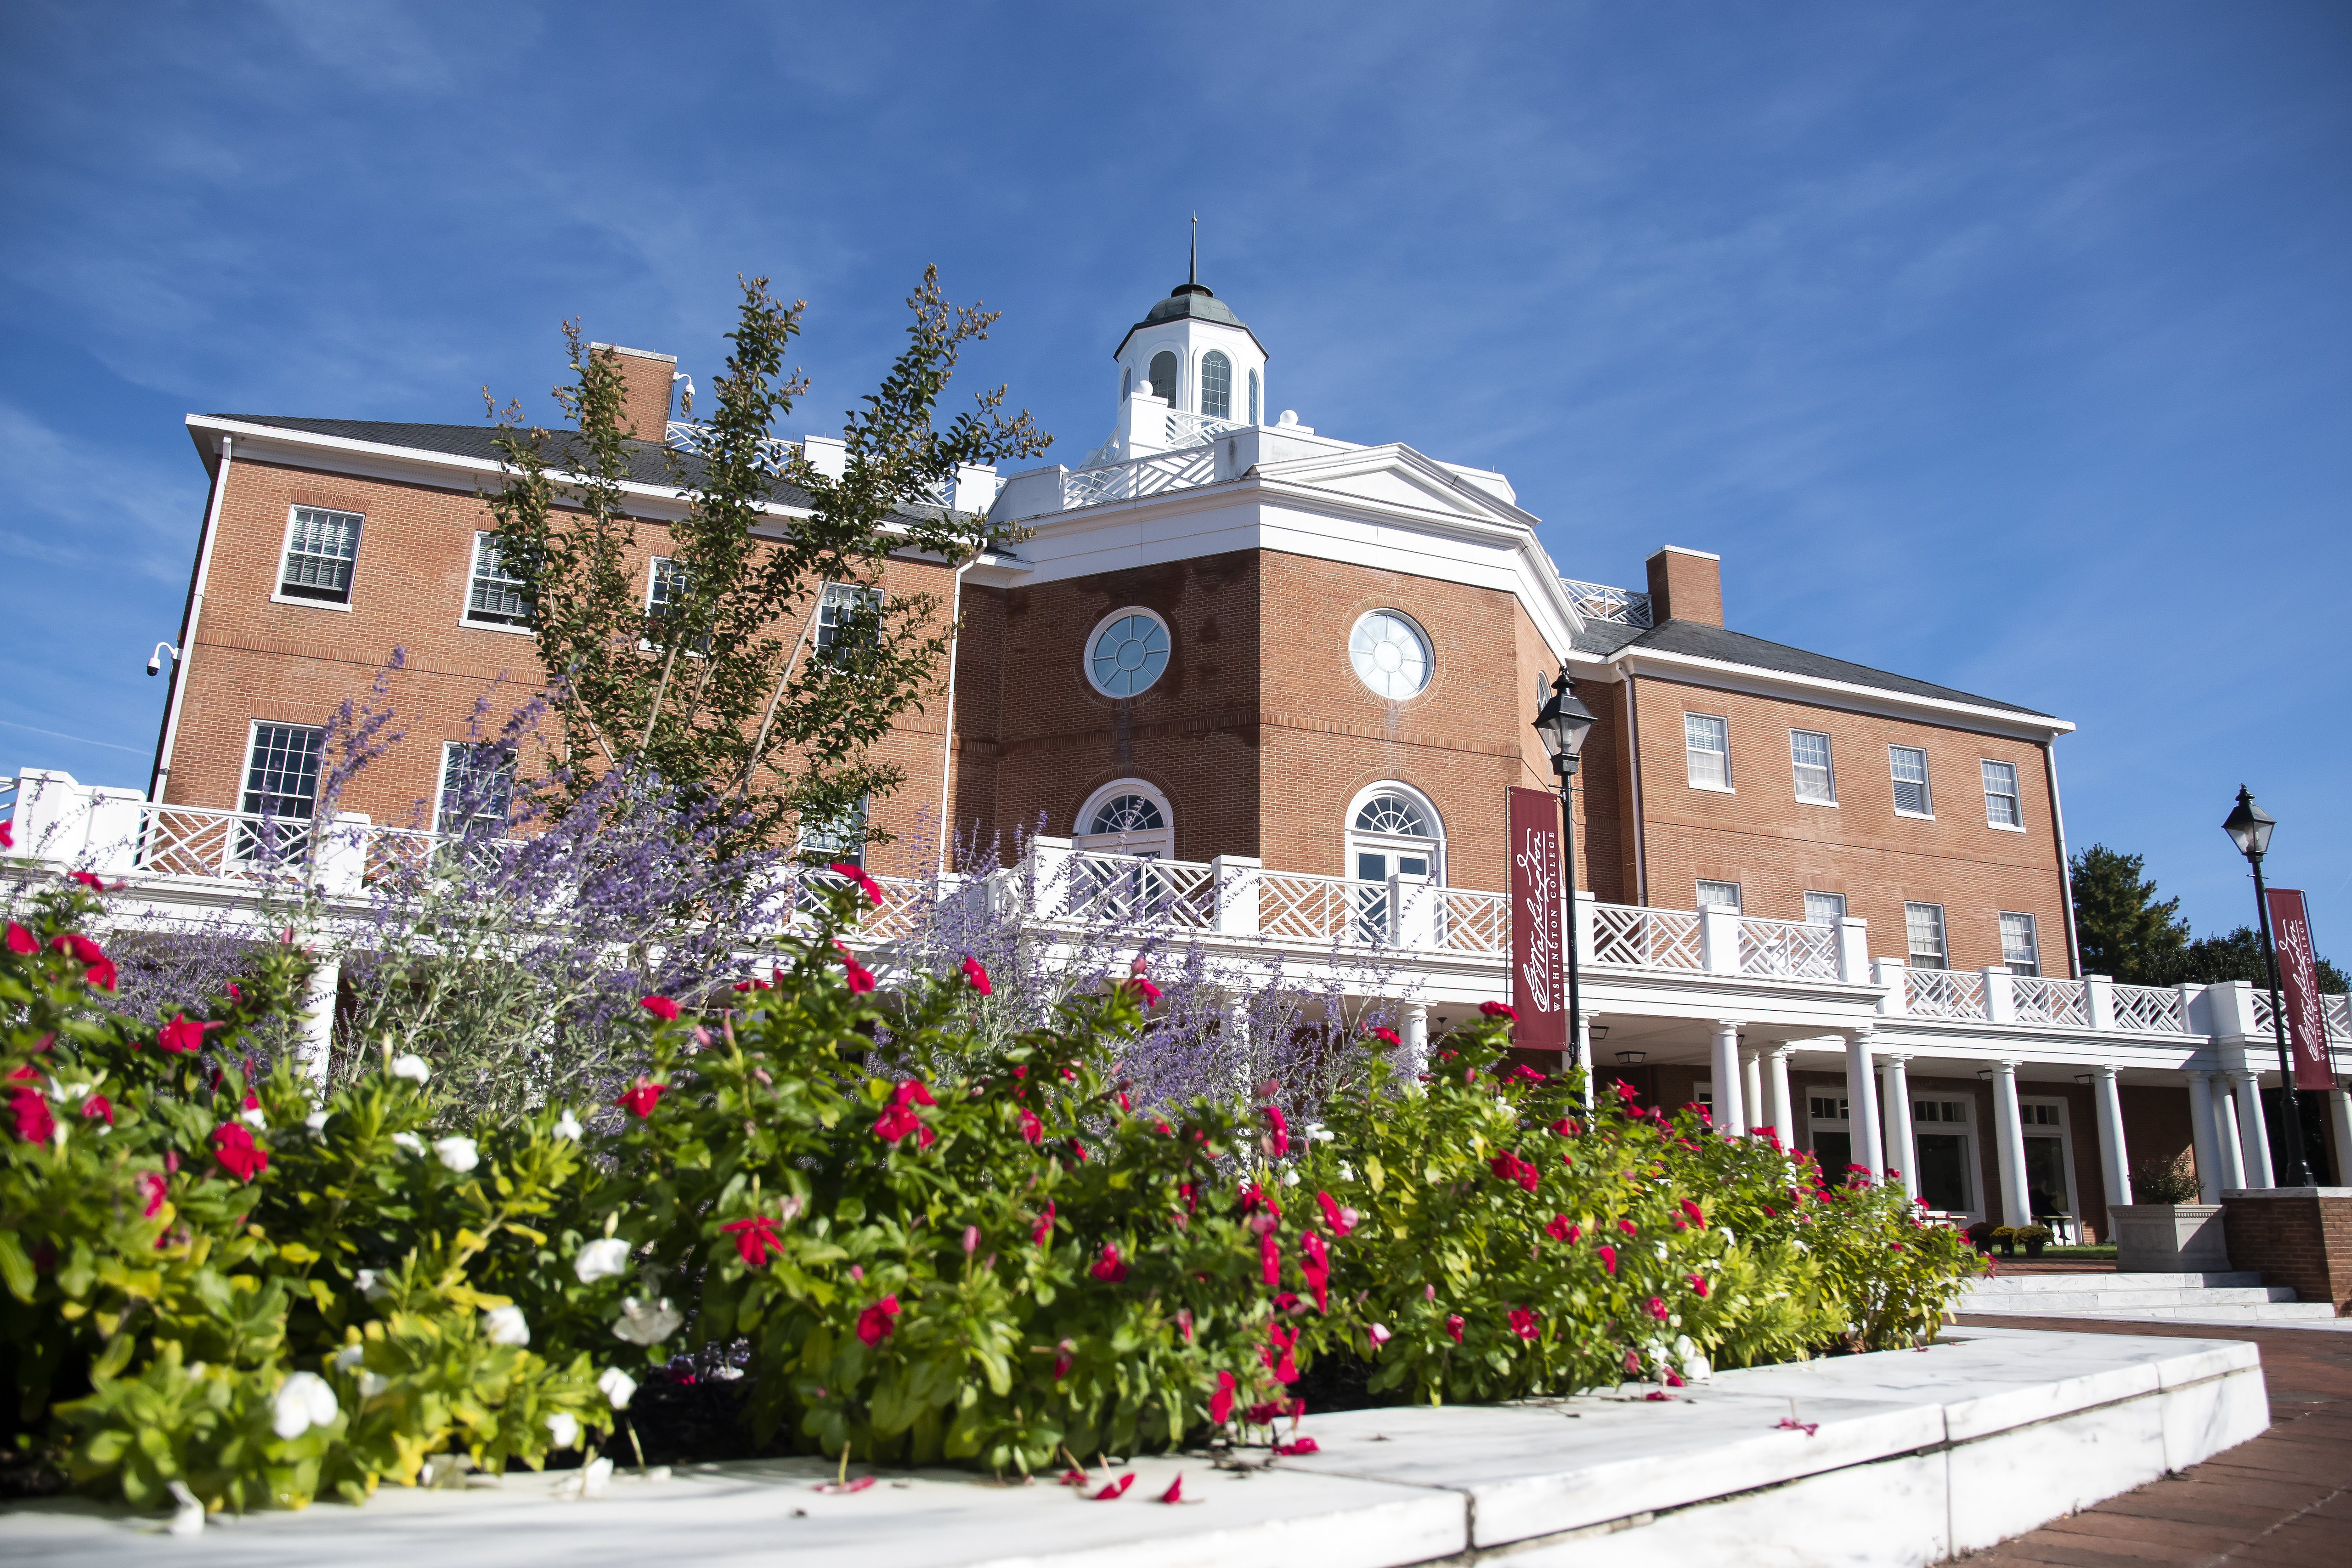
[(1793, 948), (1598, 601), (1945, 994), (2039, 1000), (1139, 477), (1652, 939), (2150, 1009)]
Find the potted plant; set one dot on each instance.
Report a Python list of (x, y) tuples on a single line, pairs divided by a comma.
[(2006, 1237), (2167, 1230), (2034, 1236)]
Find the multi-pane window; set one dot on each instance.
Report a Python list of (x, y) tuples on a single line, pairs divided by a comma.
[(1923, 926), (1719, 896), (281, 784), (1827, 1108), (1163, 375), (1808, 754), (844, 620), (1216, 385), (1253, 397), (1939, 1111), (842, 838), (2043, 1115), (1909, 766), (1707, 743), (477, 788), (1825, 909), (2000, 794), (495, 597), (666, 591), (321, 546), (2017, 948)]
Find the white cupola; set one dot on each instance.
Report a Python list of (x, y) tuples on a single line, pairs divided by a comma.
[(1193, 353)]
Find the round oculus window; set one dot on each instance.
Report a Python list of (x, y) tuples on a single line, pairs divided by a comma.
[(1390, 654), (1128, 653)]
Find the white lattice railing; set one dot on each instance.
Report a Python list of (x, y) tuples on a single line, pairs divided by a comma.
[(1797, 948), (1301, 908), (1945, 994), (1098, 886), (2037, 1000), (1198, 429), (1598, 601), (2338, 1010), (1139, 477), (2265, 1015), (1659, 939), (2150, 1009), (685, 436), (1472, 921)]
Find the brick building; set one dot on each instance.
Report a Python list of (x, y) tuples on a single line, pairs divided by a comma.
[(1299, 672)]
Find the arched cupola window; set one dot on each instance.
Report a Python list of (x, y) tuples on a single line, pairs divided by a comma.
[(1163, 374), (1126, 383), (1216, 385), (1253, 397)]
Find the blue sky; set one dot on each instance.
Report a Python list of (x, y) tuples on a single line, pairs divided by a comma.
[(2004, 345)]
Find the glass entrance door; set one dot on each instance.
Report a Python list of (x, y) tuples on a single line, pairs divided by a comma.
[(2045, 1175), (1372, 903)]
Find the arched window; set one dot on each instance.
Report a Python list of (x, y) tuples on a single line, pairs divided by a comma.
[(1392, 831), (1163, 374), (1126, 383), (1125, 817), (1253, 401), (1216, 385)]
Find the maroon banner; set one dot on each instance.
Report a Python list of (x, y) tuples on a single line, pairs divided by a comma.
[(1539, 976), (2298, 969)]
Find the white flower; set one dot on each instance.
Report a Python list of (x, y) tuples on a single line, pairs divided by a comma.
[(1290, 1178), (188, 1516), (647, 1323), (316, 1121), (505, 1326), (459, 1153), (1728, 1239), (349, 1357), (726, 1374), (372, 1384), (410, 1142), (303, 1401), (562, 1429), (619, 1386), (602, 1259), (410, 1067), (370, 1283), (254, 1118), (567, 1126), (1696, 1369)]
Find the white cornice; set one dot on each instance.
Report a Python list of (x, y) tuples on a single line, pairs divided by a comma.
[(1821, 691)]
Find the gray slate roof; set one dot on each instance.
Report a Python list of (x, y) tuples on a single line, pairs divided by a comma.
[(1704, 641)]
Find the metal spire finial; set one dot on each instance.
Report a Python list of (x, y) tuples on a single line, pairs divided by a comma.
[(1195, 277)]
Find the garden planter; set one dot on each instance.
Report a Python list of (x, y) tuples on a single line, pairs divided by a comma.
[(2033, 1248), (2170, 1238)]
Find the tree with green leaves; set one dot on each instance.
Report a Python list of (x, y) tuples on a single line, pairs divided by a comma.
[(713, 690), (2121, 928), (2238, 955)]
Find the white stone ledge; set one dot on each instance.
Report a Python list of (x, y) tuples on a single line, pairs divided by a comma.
[(1915, 1456)]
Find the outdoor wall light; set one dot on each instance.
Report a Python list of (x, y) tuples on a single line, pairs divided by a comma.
[(1631, 1058)]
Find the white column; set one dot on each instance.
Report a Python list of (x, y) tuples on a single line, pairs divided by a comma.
[(1582, 1054), (1862, 1106), (318, 1024), (2225, 1132), (1751, 1088), (1416, 1041), (2202, 1135), (1902, 1153), (2114, 1160), (2009, 1129), (1784, 1109), (1727, 1118), (2339, 1131), (2253, 1137)]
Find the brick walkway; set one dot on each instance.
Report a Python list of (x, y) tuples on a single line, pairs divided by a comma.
[(2284, 1498)]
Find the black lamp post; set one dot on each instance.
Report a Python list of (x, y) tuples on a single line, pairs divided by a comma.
[(2249, 828), (1563, 722)]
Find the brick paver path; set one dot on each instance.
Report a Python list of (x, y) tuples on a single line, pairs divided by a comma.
[(2284, 1498)]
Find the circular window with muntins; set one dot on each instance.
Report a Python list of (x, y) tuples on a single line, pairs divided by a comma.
[(1127, 653), (1390, 654)]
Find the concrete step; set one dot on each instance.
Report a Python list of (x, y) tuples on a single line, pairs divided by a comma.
[(2236, 1297), (2136, 1301), (2029, 1284), (2253, 1312)]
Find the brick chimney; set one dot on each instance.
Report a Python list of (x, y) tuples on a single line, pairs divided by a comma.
[(1685, 585), (646, 403)]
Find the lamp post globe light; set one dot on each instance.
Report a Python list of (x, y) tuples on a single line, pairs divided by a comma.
[(2250, 827), (1562, 724)]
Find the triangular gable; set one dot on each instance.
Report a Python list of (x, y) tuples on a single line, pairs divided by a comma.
[(1395, 476)]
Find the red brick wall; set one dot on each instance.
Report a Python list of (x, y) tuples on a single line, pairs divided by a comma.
[(2156, 1125), (2305, 1243)]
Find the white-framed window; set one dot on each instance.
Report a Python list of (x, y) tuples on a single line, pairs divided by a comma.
[(1390, 654), (1923, 929), (2049, 1157), (494, 595), (842, 838), (1216, 385), (1719, 896), (1809, 755), (1941, 1171), (1908, 764), (1825, 909), (477, 789), (1127, 816), (1706, 743), (2019, 949), (1943, 1111), (1826, 1107), (281, 786), (1127, 652), (844, 620), (322, 548), (2000, 796), (1126, 383), (1163, 375), (665, 590), (1253, 397), (1393, 830)]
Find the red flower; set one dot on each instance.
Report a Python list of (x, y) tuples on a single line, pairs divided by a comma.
[(1453, 1326), (8, 836), (1281, 1136), (1032, 1129), (913, 1091), (640, 1097), (1627, 1226), (1657, 1309), (87, 880), (1691, 1213), (1559, 1229), (180, 1034), (976, 975), (1497, 1010), (1220, 1404), (873, 1324), (21, 942), (1175, 1492), (1608, 1260), (1148, 991), (233, 1146), (1659, 1396), (1523, 1323), (860, 978), (34, 1122), (1079, 1149), (1317, 1268), (661, 1007), (1108, 1268), (1526, 1074), (1565, 1128), (1116, 1490), (864, 884), (1044, 1227), (1698, 1285), (1509, 1167), (1632, 1363), (1341, 1221), (150, 1188), (753, 1238), (96, 1105), (898, 1120), (1269, 1256), (1387, 1037), (1304, 1445), (97, 968), (1281, 1342)]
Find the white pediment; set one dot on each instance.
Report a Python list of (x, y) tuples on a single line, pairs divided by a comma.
[(1396, 476)]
